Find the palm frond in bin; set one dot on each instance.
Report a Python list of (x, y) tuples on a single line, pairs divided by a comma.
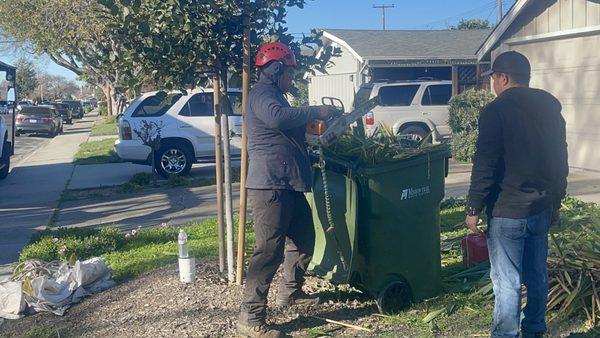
[(380, 147)]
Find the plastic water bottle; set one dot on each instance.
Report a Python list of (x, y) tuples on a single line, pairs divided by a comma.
[(183, 245)]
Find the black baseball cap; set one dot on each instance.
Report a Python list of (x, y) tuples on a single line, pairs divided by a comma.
[(510, 63)]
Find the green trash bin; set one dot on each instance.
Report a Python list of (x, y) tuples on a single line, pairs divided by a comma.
[(386, 235)]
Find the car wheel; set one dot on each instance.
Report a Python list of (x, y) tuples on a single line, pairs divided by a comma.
[(394, 297), (414, 132), (5, 160), (173, 159)]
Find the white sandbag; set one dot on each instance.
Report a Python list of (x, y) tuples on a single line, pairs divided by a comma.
[(12, 302), (89, 271), (65, 276), (48, 290)]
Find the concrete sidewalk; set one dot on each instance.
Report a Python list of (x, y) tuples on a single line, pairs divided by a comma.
[(33, 189)]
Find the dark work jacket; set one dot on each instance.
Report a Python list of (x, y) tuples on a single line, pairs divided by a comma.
[(277, 154), (520, 167)]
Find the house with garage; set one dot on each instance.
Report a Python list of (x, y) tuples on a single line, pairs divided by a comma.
[(392, 55), (561, 39)]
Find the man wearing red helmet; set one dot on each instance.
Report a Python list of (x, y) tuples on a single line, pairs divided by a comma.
[(278, 176)]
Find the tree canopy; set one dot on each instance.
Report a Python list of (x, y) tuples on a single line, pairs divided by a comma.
[(472, 24), (177, 43), (26, 77), (122, 45)]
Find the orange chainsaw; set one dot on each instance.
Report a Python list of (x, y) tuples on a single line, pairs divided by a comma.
[(324, 133)]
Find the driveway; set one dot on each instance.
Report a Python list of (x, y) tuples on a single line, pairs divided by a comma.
[(33, 188)]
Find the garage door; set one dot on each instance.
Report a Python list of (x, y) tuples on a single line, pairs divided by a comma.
[(570, 70)]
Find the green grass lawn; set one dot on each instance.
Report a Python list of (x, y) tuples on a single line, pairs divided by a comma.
[(107, 127), (96, 152), (130, 255)]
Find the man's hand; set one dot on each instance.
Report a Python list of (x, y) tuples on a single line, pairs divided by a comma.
[(325, 112), (472, 223)]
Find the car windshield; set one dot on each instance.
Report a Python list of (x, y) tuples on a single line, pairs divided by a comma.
[(36, 111)]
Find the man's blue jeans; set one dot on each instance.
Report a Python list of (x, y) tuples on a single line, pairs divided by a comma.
[(518, 249)]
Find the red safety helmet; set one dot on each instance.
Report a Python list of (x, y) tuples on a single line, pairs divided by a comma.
[(275, 51)]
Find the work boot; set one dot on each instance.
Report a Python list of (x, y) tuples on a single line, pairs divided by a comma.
[(297, 298), (258, 331)]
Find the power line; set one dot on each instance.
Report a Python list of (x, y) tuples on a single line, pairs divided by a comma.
[(383, 8)]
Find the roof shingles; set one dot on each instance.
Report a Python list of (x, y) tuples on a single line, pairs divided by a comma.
[(413, 44)]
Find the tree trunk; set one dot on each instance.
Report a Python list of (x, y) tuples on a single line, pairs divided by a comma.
[(106, 91), (115, 101)]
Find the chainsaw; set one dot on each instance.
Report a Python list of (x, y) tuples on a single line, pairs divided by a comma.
[(324, 133)]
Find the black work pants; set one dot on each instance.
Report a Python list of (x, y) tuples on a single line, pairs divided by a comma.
[(284, 233)]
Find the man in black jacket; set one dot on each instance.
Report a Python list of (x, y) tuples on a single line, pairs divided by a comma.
[(278, 176), (519, 175)]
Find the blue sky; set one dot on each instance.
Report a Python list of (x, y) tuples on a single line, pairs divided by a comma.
[(353, 14)]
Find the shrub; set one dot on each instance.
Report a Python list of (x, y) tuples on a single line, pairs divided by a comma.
[(463, 145), (463, 117), (102, 108)]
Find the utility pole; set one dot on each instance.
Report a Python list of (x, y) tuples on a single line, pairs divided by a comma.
[(383, 8), (500, 13)]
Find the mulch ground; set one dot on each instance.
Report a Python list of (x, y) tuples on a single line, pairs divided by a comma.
[(156, 304)]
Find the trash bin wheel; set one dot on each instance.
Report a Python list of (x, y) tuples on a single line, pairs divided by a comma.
[(394, 297)]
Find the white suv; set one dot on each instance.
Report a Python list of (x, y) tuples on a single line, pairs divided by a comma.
[(187, 133), (414, 108)]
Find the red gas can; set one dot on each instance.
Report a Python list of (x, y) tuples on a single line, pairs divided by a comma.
[(474, 249)]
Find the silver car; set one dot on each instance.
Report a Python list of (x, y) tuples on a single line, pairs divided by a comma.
[(39, 119)]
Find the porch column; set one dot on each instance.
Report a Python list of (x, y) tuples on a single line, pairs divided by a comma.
[(454, 80)]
